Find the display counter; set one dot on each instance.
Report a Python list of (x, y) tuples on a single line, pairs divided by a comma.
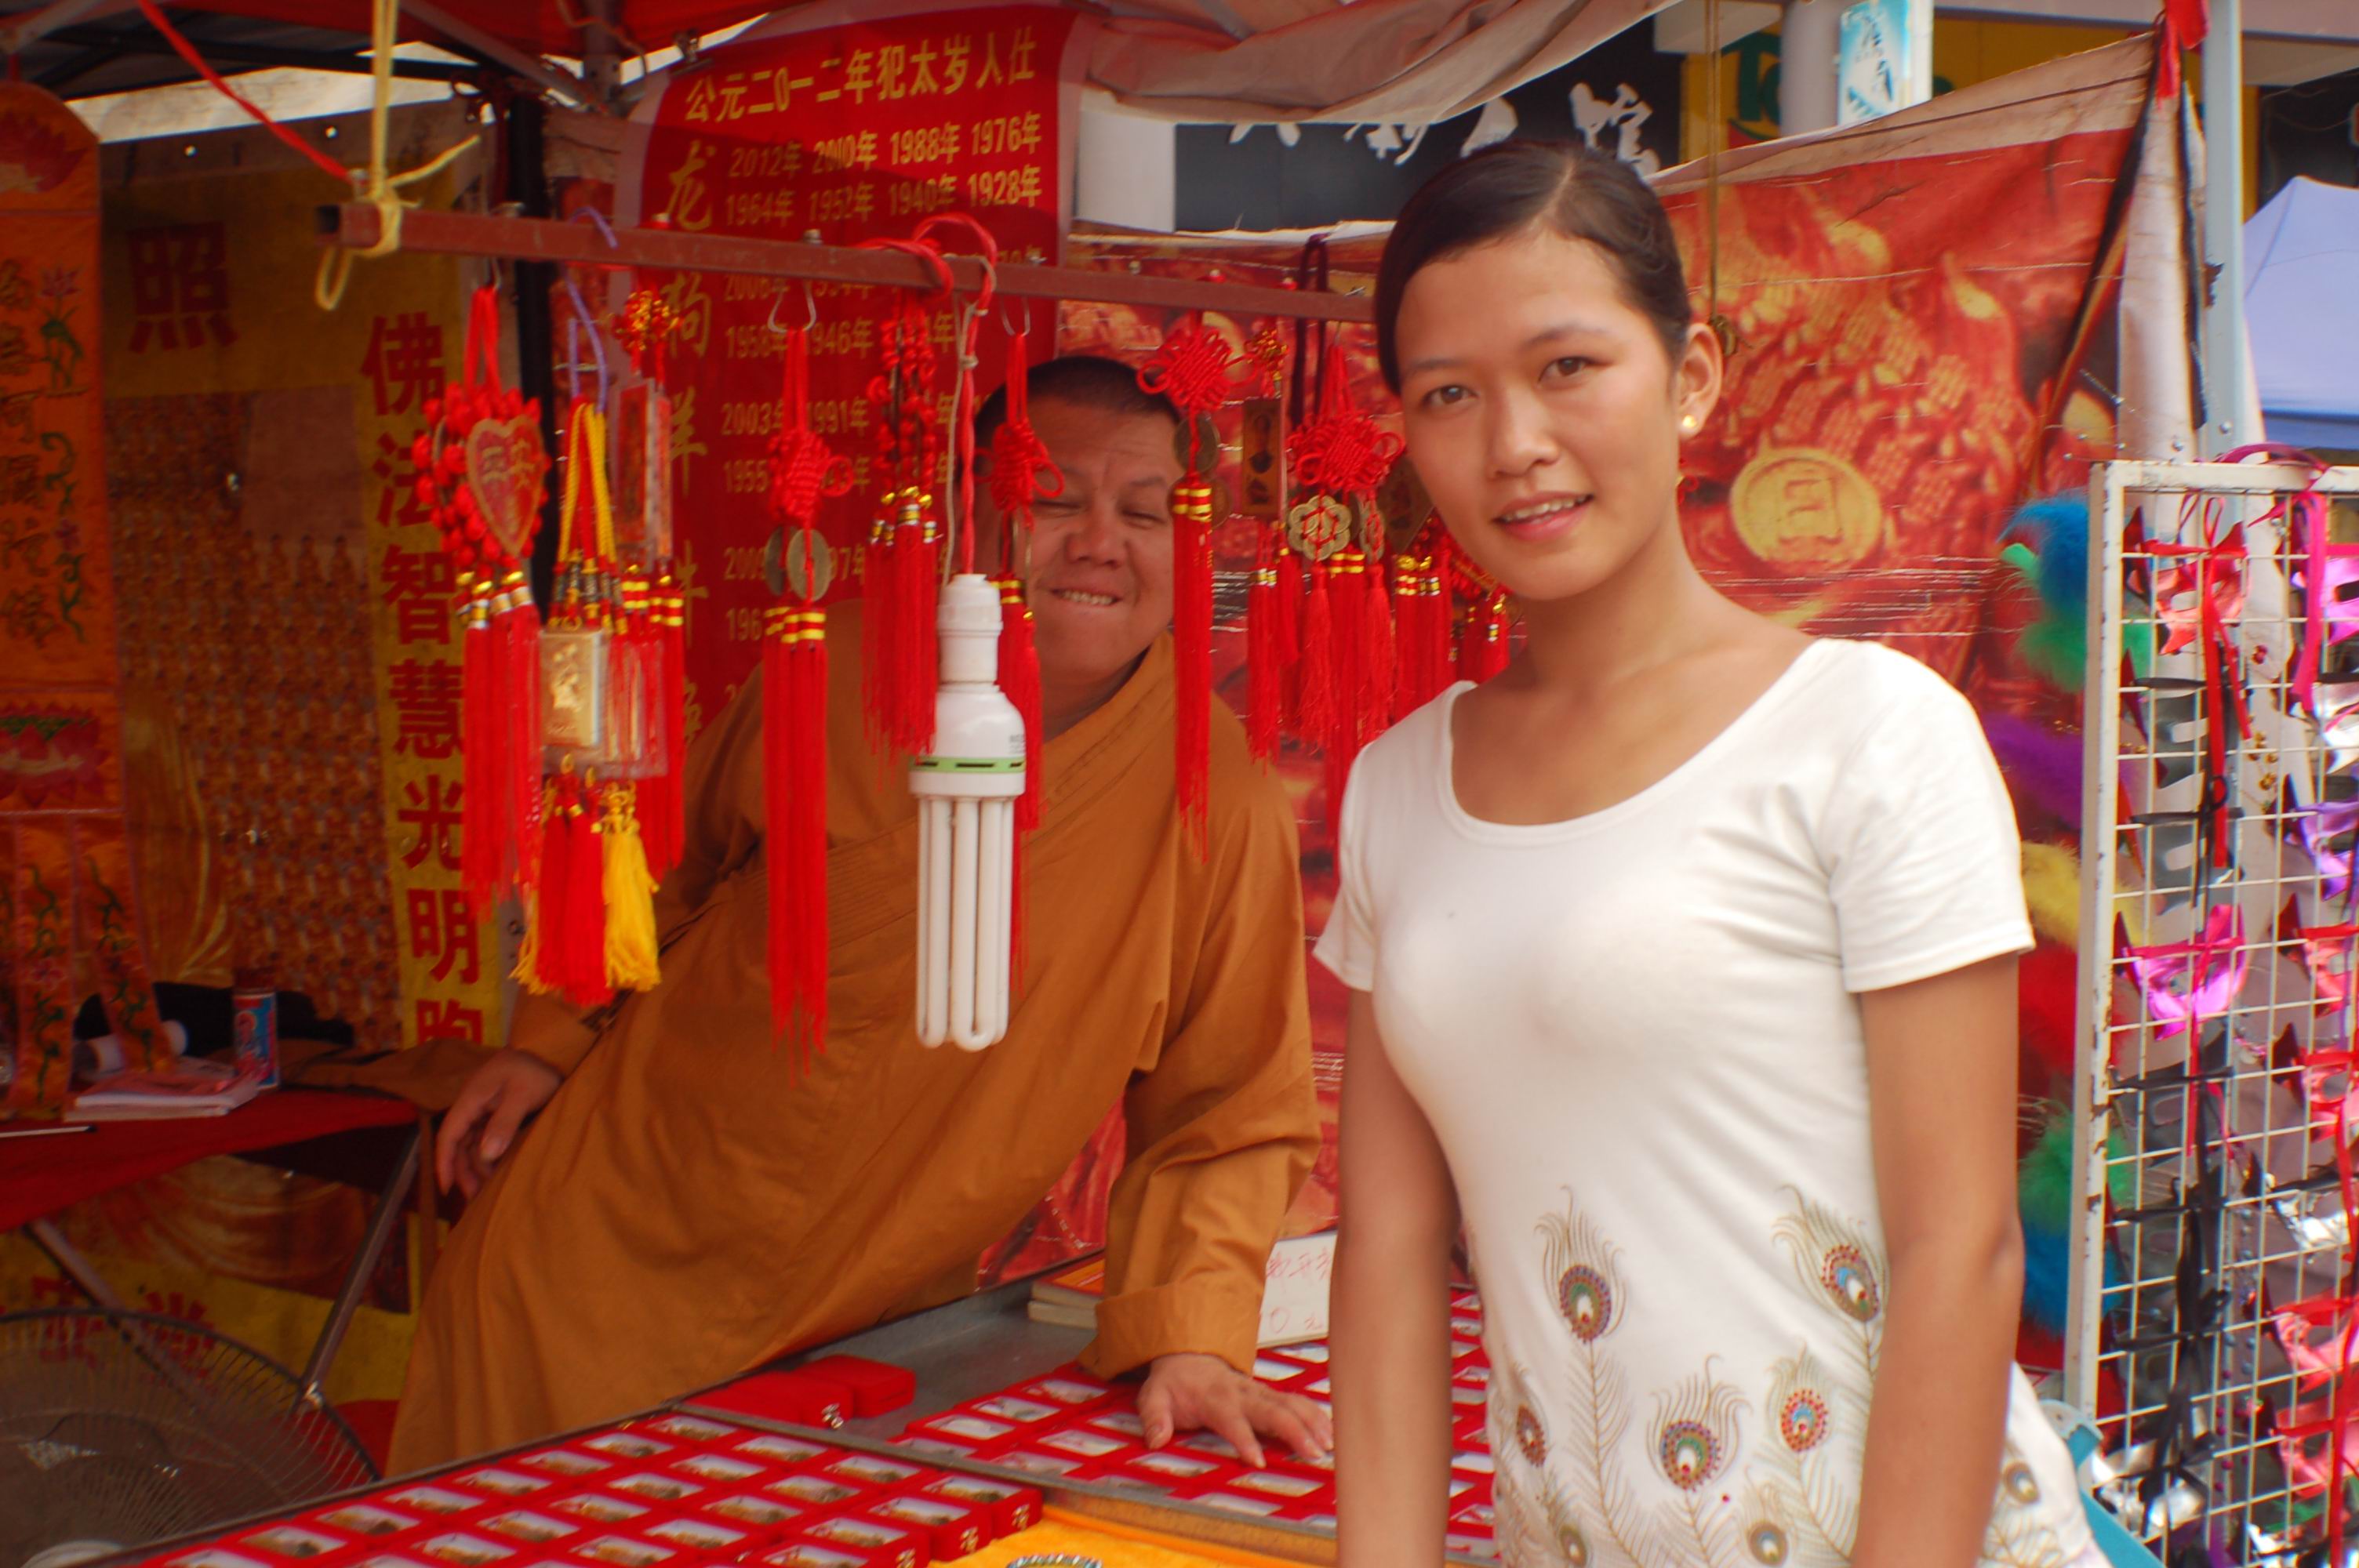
[(995, 1448)]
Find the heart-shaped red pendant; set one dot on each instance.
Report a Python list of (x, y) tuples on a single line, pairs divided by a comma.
[(506, 467)]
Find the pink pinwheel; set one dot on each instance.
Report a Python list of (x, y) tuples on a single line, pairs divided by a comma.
[(2319, 1351), (2339, 571), (2181, 590), (2319, 827), (2184, 981)]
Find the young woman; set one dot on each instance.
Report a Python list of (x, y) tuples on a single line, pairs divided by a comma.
[(1683, 963)]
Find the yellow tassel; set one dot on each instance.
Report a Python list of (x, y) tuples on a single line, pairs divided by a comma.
[(630, 899), (2051, 886)]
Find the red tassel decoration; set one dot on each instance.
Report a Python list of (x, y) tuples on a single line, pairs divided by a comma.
[(794, 722), (516, 622), (1380, 671), (1484, 652), (1191, 641), (1265, 663), (1191, 369), (1315, 718), (1289, 636), (1019, 681), (542, 963), (584, 917), (794, 786), (482, 844)]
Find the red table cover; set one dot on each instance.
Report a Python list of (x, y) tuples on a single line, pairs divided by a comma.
[(40, 1175)]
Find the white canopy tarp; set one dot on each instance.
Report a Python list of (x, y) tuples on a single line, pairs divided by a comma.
[(2301, 314)]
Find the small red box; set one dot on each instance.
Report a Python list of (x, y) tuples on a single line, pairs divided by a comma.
[(719, 1469), (653, 1486), (876, 1387), (817, 1492), (627, 1551), (531, 1526), (1072, 1388), (789, 1452), (564, 1464), (764, 1516), (600, 1509), (891, 1545), (954, 1530), (1237, 1503), (1010, 1507), (282, 1545), (495, 1481), (877, 1471), (705, 1537), (1171, 1469), (934, 1443), (366, 1521), (1039, 1462), (627, 1443), (466, 1547), (1286, 1487), (796, 1397), (820, 1554), (681, 1427), (1102, 1448), (980, 1432), (435, 1502)]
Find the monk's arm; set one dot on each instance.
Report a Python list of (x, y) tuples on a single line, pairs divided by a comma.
[(1225, 1127), (716, 839)]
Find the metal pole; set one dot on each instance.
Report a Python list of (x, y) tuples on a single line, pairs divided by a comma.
[(391, 1205), (2227, 393), (549, 240)]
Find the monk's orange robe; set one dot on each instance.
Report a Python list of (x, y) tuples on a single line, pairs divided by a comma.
[(688, 1207)]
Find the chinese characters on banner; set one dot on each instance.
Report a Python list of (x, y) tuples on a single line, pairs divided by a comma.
[(67, 926), (289, 608), (846, 132)]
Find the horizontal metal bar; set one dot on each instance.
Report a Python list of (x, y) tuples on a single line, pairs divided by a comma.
[(357, 225), (2243, 478), (133, 40)]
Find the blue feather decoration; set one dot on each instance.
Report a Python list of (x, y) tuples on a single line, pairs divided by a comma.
[(2055, 566)]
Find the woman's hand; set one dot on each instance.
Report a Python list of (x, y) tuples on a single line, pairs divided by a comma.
[(481, 1125), (1187, 1392)]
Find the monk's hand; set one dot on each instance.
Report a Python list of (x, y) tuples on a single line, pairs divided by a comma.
[(1190, 1391), (481, 1123)]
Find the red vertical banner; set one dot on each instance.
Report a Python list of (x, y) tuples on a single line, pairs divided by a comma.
[(837, 133), (71, 930)]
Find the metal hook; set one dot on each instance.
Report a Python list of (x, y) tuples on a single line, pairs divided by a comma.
[(811, 311), (1009, 327)]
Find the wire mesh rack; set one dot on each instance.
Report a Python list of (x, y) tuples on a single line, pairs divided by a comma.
[(2212, 1270)]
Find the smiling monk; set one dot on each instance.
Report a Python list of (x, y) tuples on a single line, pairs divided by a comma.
[(687, 1205)]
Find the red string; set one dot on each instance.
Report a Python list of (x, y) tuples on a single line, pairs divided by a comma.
[(187, 52)]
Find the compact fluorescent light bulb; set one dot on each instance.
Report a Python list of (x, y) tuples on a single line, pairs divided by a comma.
[(967, 785)]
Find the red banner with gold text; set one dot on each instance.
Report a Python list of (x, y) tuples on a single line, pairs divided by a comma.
[(840, 134), (66, 926)]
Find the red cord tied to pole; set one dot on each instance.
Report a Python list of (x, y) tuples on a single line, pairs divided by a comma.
[(1191, 368), (1022, 472), (794, 719)]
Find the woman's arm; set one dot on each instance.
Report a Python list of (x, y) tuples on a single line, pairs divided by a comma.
[(1391, 1339), (1940, 1076)]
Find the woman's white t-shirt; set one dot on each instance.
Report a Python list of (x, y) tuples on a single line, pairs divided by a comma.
[(1634, 1034)]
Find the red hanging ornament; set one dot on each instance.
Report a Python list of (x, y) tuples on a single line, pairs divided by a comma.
[(902, 562), (482, 472), (1191, 369), (1265, 651), (794, 719)]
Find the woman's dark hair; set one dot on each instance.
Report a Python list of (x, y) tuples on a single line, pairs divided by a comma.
[(1087, 381), (1520, 185)]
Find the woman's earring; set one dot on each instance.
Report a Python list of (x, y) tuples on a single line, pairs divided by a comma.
[(1688, 425)]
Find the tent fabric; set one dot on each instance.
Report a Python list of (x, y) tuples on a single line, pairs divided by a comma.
[(1222, 61), (2301, 314)]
